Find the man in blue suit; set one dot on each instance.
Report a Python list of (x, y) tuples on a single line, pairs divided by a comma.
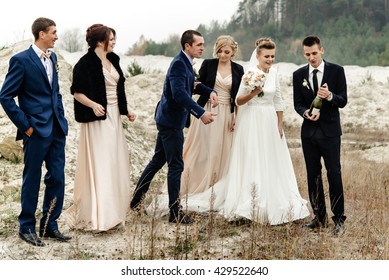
[(321, 133), (171, 117), (39, 117)]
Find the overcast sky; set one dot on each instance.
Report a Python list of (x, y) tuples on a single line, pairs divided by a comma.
[(155, 19)]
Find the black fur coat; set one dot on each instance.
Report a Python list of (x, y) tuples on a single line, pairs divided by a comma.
[(88, 78)]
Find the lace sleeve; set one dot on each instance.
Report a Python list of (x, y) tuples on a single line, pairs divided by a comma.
[(278, 101)]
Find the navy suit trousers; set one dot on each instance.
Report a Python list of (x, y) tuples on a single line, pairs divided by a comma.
[(168, 148), (37, 150)]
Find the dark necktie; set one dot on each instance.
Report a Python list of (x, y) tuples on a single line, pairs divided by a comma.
[(314, 80)]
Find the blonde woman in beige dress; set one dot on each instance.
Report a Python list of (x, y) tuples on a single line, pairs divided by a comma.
[(102, 178), (207, 148)]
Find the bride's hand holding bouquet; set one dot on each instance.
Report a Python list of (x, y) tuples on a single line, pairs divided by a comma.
[(253, 80)]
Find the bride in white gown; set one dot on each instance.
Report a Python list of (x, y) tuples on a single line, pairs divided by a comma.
[(260, 183)]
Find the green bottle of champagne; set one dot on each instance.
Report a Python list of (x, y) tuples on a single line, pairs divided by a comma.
[(315, 106)]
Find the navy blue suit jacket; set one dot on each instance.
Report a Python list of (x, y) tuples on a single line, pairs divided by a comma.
[(38, 102), (303, 96), (176, 101)]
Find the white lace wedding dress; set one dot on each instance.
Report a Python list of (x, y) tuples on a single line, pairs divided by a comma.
[(260, 183)]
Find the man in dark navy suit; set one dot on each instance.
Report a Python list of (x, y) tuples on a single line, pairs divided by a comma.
[(40, 121), (321, 133), (171, 117)]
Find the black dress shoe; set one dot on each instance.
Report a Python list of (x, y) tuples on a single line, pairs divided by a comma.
[(316, 223), (138, 207), (180, 217), (339, 229), (56, 234), (32, 238), (135, 204), (137, 201)]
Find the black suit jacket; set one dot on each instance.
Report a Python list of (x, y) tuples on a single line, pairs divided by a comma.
[(208, 77), (303, 96)]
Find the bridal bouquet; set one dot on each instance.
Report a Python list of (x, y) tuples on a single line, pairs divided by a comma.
[(252, 79)]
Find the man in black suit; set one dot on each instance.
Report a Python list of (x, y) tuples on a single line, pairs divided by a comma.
[(171, 116), (321, 133)]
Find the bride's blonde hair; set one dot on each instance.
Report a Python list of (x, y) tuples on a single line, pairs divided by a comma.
[(264, 43), (225, 40)]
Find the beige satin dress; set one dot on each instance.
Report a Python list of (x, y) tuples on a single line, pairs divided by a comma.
[(102, 179), (207, 147)]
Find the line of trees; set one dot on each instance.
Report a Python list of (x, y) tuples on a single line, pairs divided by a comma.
[(354, 32)]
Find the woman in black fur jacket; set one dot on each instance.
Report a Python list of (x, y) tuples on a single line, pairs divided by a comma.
[(102, 177)]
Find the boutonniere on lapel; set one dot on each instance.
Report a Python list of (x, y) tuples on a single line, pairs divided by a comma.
[(196, 72), (306, 84), (57, 67)]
